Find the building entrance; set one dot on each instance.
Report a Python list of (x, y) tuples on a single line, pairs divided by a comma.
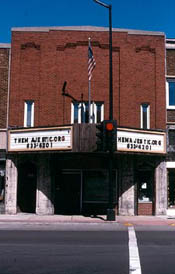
[(68, 193), (26, 192)]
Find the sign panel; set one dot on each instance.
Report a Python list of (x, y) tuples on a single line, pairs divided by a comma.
[(141, 141), (40, 139)]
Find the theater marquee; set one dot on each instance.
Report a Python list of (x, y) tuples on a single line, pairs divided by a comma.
[(41, 139), (141, 141)]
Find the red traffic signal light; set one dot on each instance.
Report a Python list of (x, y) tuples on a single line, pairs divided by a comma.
[(109, 126), (110, 135)]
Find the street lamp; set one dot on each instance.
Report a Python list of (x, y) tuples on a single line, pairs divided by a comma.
[(109, 7), (110, 210)]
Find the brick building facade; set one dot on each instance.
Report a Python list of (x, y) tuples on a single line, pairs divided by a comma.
[(73, 180), (43, 60), (4, 76), (170, 105)]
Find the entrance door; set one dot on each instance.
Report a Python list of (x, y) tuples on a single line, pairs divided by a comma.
[(68, 193), (27, 181), (145, 192)]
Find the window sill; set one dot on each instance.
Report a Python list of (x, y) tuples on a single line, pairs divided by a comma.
[(170, 108), (144, 202)]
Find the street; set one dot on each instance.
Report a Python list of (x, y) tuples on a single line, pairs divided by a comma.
[(88, 250), (157, 251), (67, 252)]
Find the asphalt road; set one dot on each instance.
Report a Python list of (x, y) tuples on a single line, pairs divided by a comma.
[(87, 252), (157, 251), (70, 252)]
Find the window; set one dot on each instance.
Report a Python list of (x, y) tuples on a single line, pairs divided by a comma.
[(170, 87), (29, 113), (80, 112), (145, 186), (145, 116), (171, 137)]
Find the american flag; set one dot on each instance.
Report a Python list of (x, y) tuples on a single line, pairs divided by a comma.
[(91, 62)]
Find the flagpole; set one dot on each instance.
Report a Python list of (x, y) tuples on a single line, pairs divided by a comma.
[(89, 88)]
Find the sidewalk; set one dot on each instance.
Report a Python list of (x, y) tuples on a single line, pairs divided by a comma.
[(124, 220)]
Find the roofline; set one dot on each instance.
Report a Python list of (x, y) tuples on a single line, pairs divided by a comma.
[(86, 28), (5, 45)]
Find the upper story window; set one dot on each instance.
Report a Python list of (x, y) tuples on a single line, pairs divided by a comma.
[(145, 116), (29, 113), (170, 91), (171, 137), (80, 112)]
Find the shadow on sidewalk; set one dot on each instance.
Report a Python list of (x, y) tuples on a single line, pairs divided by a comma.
[(95, 217)]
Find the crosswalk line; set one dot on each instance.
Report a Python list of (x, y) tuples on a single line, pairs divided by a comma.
[(134, 259)]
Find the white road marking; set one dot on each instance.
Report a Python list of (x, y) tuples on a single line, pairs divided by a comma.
[(134, 259)]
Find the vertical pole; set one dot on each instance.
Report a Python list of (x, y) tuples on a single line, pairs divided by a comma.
[(110, 210), (89, 91), (82, 109), (110, 66), (89, 103), (81, 192), (110, 180)]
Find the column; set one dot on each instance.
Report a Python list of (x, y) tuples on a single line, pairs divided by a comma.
[(44, 204), (161, 189), (11, 185), (127, 188)]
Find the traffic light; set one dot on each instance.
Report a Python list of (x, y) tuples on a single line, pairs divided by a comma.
[(110, 135), (107, 135), (100, 136)]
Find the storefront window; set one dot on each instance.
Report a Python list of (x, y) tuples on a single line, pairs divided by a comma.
[(145, 193), (145, 187)]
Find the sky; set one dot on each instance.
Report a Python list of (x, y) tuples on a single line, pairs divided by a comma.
[(150, 15)]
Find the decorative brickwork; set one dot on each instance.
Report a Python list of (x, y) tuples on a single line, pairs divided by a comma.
[(42, 61)]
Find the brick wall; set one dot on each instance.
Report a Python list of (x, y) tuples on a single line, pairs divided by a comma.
[(42, 61), (145, 209), (4, 67), (171, 115)]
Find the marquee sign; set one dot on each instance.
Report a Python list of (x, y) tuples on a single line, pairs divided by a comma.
[(40, 139), (141, 141)]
